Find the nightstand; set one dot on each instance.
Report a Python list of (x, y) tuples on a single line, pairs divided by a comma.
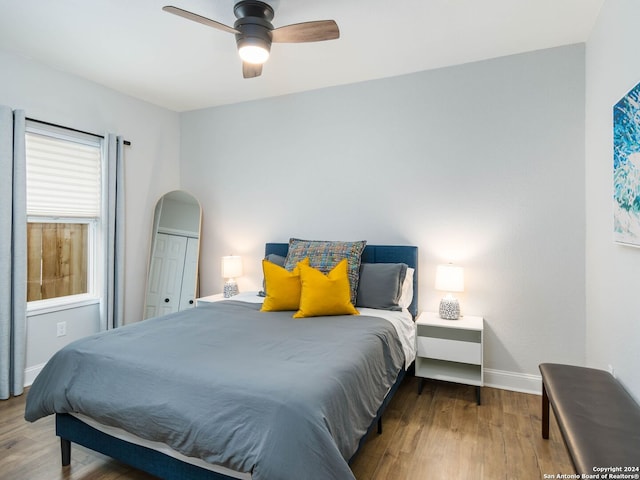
[(450, 350), (210, 299)]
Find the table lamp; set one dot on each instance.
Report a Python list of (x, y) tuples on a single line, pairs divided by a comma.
[(231, 269), (449, 278)]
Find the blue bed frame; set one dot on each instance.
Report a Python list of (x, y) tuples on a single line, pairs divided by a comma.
[(72, 430)]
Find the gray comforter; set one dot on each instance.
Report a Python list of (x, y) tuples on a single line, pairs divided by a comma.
[(257, 392)]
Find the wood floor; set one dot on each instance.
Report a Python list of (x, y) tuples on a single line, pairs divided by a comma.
[(440, 434)]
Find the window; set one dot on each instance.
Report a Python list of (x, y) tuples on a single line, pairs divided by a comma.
[(64, 204), (58, 259)]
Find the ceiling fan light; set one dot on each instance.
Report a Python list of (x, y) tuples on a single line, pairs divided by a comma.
[(255, 54)]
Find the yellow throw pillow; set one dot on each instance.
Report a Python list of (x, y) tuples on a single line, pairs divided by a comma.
[(322, 294), (282, 287)]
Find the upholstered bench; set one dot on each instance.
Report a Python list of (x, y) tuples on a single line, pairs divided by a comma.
[(599, 420)]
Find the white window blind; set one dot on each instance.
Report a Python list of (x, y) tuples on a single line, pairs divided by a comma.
[(63, 177)]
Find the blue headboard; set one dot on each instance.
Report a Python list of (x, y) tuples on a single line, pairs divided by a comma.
[(374, 254)]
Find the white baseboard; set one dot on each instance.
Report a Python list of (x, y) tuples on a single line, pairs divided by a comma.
[(31, 373), (517, 382)]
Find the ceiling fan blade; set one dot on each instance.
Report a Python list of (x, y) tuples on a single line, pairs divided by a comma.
[(251, 70), (199, 18), (307, 32)]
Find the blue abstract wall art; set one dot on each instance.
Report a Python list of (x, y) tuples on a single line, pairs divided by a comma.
[(626, 168)]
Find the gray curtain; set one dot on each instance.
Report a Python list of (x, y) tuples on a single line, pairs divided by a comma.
[(13, 252), (112, 312)]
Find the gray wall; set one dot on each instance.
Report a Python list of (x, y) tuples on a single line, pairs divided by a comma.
[(613, 303), (480, 164), (151, 169)]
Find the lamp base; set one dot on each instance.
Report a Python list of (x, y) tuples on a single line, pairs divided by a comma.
[(449, 308), (230, 288)]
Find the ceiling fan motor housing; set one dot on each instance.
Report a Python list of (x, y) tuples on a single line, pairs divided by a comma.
[(253, 8), (254, 23), (254, 31)]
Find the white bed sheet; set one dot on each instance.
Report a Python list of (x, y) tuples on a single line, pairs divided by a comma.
[(159, 447)]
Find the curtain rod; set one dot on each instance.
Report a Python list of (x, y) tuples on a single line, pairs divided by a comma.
[(42, 122)]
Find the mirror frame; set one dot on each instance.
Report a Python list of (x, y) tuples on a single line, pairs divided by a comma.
[(184, 231)]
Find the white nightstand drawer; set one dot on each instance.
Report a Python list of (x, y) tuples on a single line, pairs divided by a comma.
[(450, 350)]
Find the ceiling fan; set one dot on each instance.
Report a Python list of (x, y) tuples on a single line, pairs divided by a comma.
[(255, 33)]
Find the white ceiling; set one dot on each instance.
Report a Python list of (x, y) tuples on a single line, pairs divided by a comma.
[(136, 48)]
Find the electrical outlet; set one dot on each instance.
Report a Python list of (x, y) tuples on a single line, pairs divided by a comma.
[(61, 329)]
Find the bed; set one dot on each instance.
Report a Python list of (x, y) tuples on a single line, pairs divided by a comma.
[(226, 391)]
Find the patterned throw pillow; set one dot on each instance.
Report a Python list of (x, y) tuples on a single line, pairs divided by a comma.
[(324, 255)]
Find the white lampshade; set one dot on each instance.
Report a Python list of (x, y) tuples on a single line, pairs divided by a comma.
[(450, 278), (231, 266)]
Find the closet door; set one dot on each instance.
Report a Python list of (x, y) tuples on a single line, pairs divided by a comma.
[(190, 275), (165, 275)]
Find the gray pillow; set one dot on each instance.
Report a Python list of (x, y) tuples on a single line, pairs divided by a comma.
[(277, 259), (380, 285)]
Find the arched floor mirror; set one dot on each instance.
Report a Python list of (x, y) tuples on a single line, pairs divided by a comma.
[(173, 260)]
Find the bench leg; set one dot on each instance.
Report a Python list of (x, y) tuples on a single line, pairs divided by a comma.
[(65, 450), (545, 412)]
